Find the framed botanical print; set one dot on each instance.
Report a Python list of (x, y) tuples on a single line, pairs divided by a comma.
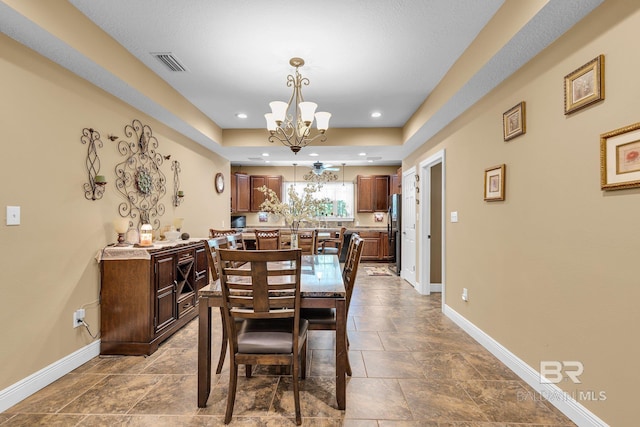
[(620, 158), (514, 122), (494, 179), (584, 86)]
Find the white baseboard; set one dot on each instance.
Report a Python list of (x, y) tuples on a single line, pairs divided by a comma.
[(436, 287), (45, 376), (564, 401)]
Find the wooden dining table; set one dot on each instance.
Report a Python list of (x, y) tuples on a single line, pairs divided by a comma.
[(321, 286)]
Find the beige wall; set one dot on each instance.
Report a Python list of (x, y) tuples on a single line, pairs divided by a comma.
[(350, 175), (47, 263), (551, 271)]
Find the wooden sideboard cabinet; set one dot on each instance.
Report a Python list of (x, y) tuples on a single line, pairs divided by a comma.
[(144, 301)]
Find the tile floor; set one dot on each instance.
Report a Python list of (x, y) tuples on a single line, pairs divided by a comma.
[(411, 367)]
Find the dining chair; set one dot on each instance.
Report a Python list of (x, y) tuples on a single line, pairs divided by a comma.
[(324, 319), (332, 245), (236, 241), (267, 239), (221, 233), (266, 297), (307, 242), (214, 268)]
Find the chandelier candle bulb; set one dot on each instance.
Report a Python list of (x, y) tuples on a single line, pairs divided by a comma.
[(322, 121), (307, 110)]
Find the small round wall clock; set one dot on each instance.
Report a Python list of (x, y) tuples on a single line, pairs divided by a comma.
[(219, 182)]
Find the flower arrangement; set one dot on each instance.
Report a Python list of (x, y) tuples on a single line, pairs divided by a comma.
[(298, 208)]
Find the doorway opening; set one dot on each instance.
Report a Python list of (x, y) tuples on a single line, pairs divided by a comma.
[(432, 214)]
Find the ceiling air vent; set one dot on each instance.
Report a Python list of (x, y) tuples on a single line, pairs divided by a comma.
[(170, 61)]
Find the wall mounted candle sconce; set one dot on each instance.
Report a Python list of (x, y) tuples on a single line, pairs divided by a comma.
[(94, 189), (178, 194)]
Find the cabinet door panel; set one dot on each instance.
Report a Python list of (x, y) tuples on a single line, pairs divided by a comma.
[(365, 194), (273, 183), (257, 197), (381, 192), (165, 296), (243, 193)]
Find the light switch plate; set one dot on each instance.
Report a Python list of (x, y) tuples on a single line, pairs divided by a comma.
[(13, 215), (454, 216)]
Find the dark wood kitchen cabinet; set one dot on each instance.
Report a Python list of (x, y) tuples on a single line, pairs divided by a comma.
[(240, 192), (376, 246), (145, 300), (273, 182), (373, 193)]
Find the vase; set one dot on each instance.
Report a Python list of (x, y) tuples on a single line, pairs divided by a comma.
[(294, 241)]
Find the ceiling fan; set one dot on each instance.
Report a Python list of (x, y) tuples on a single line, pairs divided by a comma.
[(318, 168)]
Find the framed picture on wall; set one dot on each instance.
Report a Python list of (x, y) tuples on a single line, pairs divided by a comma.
[(494, 179), (584, 86), (620, 158), (514, 122)]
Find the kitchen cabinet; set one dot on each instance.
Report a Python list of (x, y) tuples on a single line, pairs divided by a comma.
[(273, 182), (145, 300), (395, 185), (376, 246), (373, 193), (240, 192)]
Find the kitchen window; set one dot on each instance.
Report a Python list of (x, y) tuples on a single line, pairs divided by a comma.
[(341, 195)]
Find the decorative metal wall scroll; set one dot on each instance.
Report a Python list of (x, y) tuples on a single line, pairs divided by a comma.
[(325, 176), (177, 193), (139, 178), (94, 189)]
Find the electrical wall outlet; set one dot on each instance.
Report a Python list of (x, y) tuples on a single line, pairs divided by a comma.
[(78, 317), (465, 294)]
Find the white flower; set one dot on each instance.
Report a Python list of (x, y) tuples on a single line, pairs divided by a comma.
[(298, 208)]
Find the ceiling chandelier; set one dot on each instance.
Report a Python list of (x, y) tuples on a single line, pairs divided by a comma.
[(290, 122)]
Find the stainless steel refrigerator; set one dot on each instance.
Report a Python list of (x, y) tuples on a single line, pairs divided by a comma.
[(394, 230)]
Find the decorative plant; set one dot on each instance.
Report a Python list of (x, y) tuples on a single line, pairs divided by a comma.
[(297, 208)]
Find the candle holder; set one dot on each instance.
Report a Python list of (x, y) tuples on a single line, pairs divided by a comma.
[(94, 189), (177, 194), (146, 235), (121, 225), (177, 223)]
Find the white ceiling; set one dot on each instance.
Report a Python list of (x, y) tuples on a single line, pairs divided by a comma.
[(361, 56)]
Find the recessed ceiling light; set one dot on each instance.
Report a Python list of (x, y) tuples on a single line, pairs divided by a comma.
[(265, 154), (241, 115), (376, 114), (267, 161), (362, 154), (313, 154), (370, 161)]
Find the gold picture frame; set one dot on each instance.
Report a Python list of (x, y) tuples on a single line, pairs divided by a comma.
[(494, 181), (584, 86), (514, 122), (620, 158)]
